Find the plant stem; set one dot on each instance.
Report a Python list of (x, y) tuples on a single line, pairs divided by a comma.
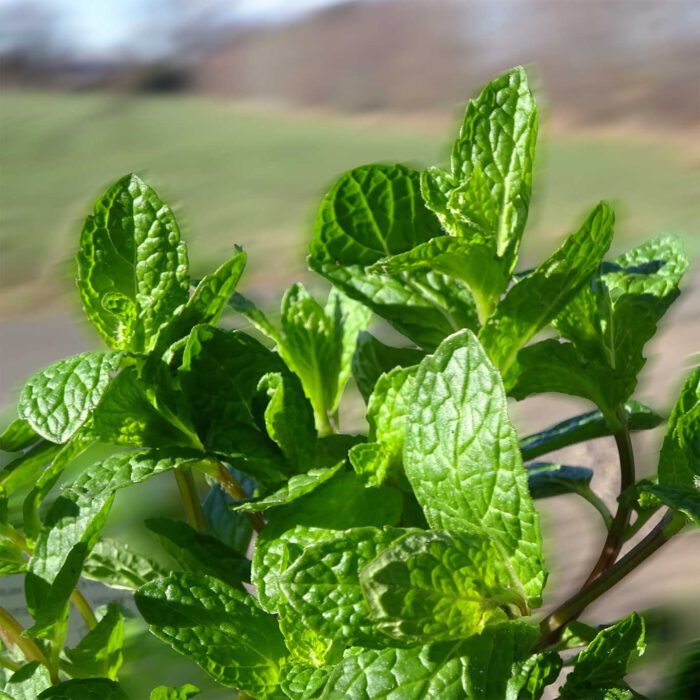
[(553, 624), (597, 502), (9, 665), (14, 632), (616, 532), (229, 484), (83, 607), (190, 499)]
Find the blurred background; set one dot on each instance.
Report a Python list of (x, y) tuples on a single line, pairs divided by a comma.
[(241, 113)]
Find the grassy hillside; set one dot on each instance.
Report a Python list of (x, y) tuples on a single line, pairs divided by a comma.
[(253, 177)]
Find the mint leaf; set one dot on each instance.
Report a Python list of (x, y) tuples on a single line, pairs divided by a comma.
[(477, 668), (99, 653), (118, 566), (184, 692), (232, 528), (297, 486), (19, 474), (199, 553), (685, 499), (12, 560), (302, 681), (57, 401), (602, 665), (546, 480), (132, 267), (88, 689), (373, 358), (220, 628), (537, 298), (322, 586), (587, 426), (462, 459), (18, 436), (532, 676), (289, 418), (679, 461), (436, 586), (69, 533), (27, 682)]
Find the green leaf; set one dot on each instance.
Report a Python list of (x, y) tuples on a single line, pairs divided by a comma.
[(57, 401), (546, 480), (207, 302), (372, 462), (232, 528), (18, 436), (436, 586), (537, 298), (477, 668), (289, 418), (322, 586), (24, 470), (679, 461), (373, 358), (199, 553), (184, 692), (118, 566), (99, 653), (12, 560), (87, 689), (587, 426), (462, 459), (685, 499), (343, 502), (27, 682), (220, 628), (532, 676), (132, 266), (603, 663), (297, 486), (302, 681), (69, 533), (125, 416)]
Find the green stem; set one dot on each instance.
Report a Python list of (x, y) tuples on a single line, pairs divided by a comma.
[(597, 502), (83, 607), (552, 625), (639, 523), (15, 633), (616, 532), (190, 499), (9, 665), (229, 484)]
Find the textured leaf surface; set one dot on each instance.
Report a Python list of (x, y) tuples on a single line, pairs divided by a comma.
[(373, 358), (22, 472), (12, 560), (132, 266), (436, 586), (603, 663), (88, 689), (184, 692), (219, 627), (546, 479), (27, 682), (587, 426), (477, 668), (323, 584), (18, 436), (536, 299), (99, 653), (118, 566), (57, 401), (302, 682), (532, 676), (462, 459), (198, 552), (685, 499)]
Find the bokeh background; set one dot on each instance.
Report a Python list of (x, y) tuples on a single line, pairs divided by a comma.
[(241, 112)]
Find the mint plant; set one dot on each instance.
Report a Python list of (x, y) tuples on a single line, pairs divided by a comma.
[(406, 562)]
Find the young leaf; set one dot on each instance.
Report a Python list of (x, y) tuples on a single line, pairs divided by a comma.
[(373, 358), (297, 486), (57, 401), (220, 628), (532, 676), (537, 298), (199, 553), (132, 267), (85, 689), (118, 566), (602, 665), (99, 653), (462, 459), (27, 682), (302, 681), (184, 692), (69, 533), (18, 436), (322, 586), (587, 426), (679, 461), (436, 586), (477, 668), (678, 497)]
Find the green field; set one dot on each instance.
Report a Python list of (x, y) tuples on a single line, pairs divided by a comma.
[(236, 175)]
